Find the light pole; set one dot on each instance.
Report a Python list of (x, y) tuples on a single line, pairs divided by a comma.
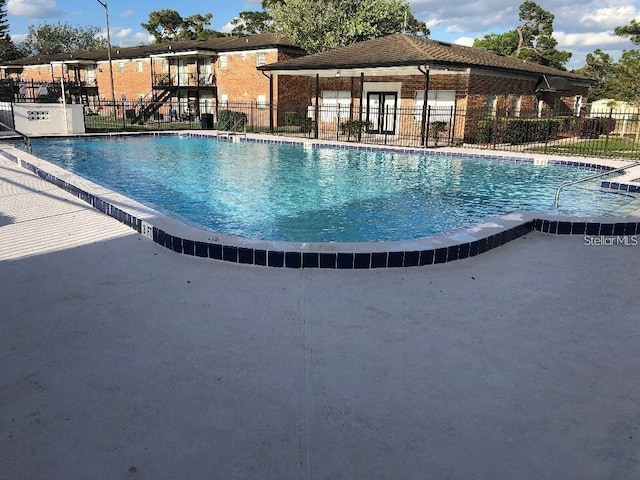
[(113, 92)]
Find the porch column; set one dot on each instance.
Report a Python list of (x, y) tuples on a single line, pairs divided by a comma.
[(317, 107), (423, 122), (270, 103), (361, 106)]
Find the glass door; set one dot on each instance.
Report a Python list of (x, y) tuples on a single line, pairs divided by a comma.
[(381, 112), (183, 74)]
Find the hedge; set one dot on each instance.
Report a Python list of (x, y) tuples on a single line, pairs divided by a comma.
[(228, 119), (516, 130)]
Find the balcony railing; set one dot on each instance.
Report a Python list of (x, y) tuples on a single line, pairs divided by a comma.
[(161, 80)]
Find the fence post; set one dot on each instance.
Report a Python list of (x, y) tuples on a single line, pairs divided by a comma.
[(338, 124), (606, 140), (427, 125), (251, 114), (449, 137), (546, 135)]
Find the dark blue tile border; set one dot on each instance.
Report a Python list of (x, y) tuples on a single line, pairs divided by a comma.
[(343, 260)]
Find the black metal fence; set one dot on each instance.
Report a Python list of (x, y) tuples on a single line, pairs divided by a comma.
[(594, 133), (606, 132)]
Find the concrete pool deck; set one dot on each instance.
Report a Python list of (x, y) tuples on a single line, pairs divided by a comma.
[(122, 359)]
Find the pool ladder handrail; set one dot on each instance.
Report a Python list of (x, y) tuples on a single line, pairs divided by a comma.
[(586, 179), (25, 138), (232, 130)]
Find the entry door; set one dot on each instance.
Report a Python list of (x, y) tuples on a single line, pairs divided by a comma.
[(183, 74), (381, 112)]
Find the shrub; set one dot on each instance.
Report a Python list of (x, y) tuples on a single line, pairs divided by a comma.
[(594, 127), (437, 127), (292, 119), (355, 127), (228, 120), (515, 130), (306, 125)]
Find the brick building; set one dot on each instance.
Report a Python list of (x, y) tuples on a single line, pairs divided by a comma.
[(200, 75), (377, 80)]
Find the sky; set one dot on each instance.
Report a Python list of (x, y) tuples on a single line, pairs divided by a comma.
[(580, 26)]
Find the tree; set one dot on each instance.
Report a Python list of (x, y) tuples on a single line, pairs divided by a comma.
[(502, 43), (48, 39), (324, 24), (251, 23), (532, 40), (632, 31), (8, 50), (627, 79), (601, 68), (169, 26)]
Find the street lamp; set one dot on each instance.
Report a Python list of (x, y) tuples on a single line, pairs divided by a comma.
[(106, 14)]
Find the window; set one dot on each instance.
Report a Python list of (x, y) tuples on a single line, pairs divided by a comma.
[(261, 101), (123, 96), (441, 102), (165, 65), (492, 105), (138, 65), (514, 105), (577, 105), (224, 100), (335, 103), (261, 58), (121, 67), (141, 96), (65, 68), (223, 61)]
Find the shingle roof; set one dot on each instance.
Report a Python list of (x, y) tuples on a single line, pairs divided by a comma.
[(260, 41), (406, 50)]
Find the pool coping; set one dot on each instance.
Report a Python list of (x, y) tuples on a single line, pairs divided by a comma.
[(467, 242)]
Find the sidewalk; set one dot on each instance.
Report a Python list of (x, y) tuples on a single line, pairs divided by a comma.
[(122, 359)]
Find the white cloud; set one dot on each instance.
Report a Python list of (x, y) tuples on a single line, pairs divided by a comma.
[(125, 37), (610, 17), (128, 13), (18, 38), (33, 8), (590, 39), (227, 27), (466, 41)]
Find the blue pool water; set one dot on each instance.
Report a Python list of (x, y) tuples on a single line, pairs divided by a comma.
[(293, 193)]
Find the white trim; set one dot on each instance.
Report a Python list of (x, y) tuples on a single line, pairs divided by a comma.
[(190, 53), (245, 52)]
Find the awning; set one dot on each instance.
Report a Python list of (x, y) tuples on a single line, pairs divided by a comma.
[(548, 83)]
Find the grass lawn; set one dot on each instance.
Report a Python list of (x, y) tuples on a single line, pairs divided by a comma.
[(600, 147), (99, 123)]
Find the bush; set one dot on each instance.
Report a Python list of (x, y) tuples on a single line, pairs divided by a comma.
[(594, 127), (230, 120), (306, 125), (292, 119), (516, 130), (437, 127), (355, 127)]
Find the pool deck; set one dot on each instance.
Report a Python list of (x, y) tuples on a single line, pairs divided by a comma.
[(123, 359)]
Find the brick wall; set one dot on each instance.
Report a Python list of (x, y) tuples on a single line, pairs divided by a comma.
[(240, 80), (128, 81)]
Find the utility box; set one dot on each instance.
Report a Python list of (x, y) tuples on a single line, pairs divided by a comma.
[(38, 119)]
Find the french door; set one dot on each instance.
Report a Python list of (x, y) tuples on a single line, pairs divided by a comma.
[(381, 112)]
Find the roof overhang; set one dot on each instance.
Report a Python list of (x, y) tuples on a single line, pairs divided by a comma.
[(73, 62), (186, 53), (348, 72), (552, 84)]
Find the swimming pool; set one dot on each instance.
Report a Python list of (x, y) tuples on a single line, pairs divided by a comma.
[(299, 193)]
